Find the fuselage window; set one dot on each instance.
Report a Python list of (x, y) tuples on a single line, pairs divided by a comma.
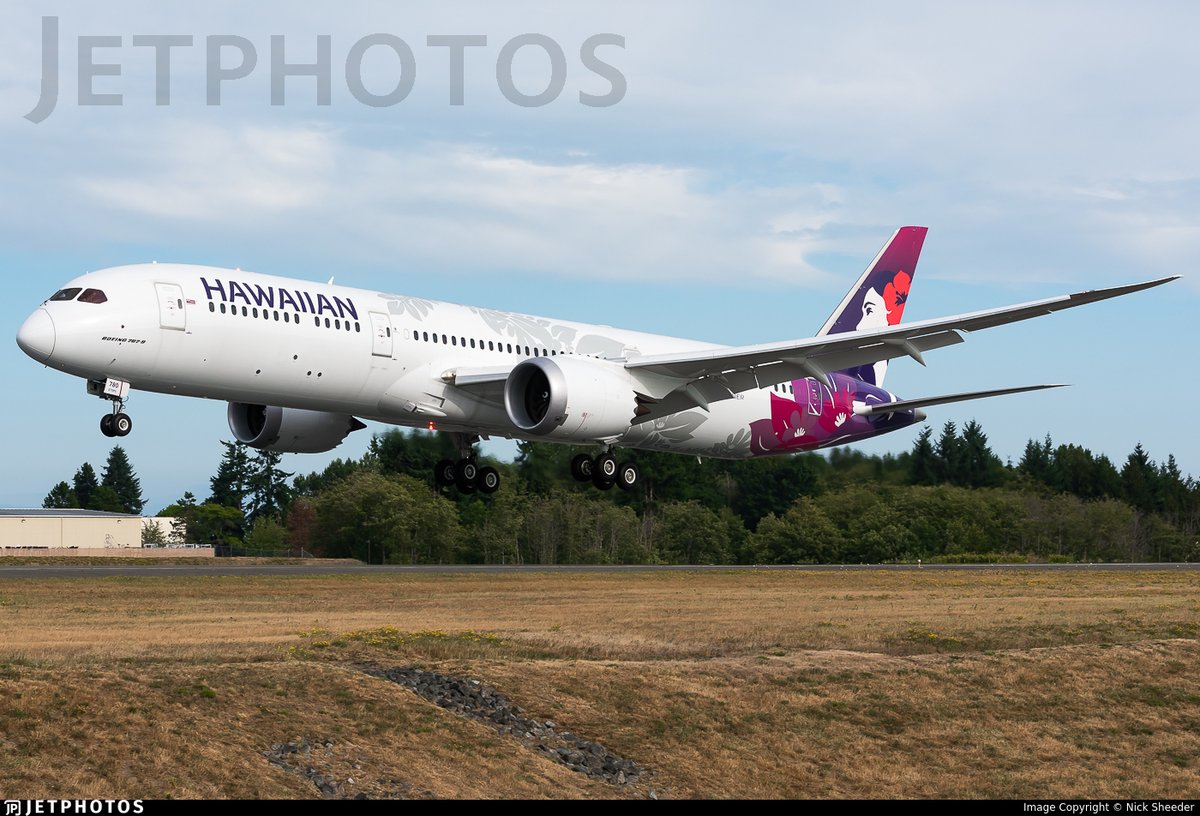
[(453, 340), (222, 308), (317, 322), (254, 311), (510, 351), (527, 351), (327, 322), (435, 337), (93, 296), (491, 347), (472, 342), (276, 316), (337, 324), (443, 339), (426, 336), (65, 294), (287, 318), (245, 312), (357, 326), (212, 307), (388, 330)]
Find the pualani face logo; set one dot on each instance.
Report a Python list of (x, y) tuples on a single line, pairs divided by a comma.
[(276, 297), (229, 58)]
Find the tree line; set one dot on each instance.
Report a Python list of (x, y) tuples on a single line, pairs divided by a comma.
[(118, 490), (949, 498)]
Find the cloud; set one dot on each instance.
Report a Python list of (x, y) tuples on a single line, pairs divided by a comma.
[(467, 206)]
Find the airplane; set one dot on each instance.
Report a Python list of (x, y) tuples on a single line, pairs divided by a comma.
[(301, 364)]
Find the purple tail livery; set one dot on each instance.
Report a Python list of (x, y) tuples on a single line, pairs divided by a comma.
[(878, 298)]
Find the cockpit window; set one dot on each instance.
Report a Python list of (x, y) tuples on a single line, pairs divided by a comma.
[(93, 296), (65, 294)]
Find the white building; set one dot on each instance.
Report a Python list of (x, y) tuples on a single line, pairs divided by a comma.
[(49, 532)]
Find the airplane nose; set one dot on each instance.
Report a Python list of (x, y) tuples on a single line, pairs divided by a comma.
[(36, 336)]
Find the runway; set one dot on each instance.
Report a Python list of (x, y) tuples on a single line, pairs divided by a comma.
[(228, 569)]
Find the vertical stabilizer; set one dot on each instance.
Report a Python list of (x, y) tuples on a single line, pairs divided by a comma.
[(878, 298)]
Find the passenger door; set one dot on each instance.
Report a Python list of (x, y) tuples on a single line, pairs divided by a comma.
[(171, 312), (381, 334)]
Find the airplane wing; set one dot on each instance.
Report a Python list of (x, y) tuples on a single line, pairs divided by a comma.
[(715, 374)]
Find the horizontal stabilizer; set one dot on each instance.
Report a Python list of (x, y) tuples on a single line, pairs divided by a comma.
[(923, 402)]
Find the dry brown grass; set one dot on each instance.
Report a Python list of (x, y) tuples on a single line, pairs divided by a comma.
[(995, 684)]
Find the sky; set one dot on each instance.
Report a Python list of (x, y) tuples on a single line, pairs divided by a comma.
[(738, 166)]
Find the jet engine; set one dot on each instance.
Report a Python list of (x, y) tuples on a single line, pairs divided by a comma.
[(570, 398), (289, 430)]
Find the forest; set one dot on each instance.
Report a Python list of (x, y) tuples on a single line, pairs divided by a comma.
[(948, 499)]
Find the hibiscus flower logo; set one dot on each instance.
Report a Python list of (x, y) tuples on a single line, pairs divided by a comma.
[(895, 295)]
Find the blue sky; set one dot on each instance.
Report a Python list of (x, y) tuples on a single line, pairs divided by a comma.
[(759, 157)]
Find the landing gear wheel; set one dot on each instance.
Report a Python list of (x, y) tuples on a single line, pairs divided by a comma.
[(121, 425), (468, 470), (444, 473), (582, 467), (600, 483), (628, 476), (106, 425), (489, 480), (468, 474), (606, 467)]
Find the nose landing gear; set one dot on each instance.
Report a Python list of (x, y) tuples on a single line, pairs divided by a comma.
[(118, 422)]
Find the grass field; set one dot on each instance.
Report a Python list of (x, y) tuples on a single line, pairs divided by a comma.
[(724, 684)]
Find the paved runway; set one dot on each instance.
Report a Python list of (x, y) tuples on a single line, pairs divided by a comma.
[(220, 567)]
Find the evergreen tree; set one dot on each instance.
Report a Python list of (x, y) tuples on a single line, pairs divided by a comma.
[(61, 497), (106, 500), (1139, 478), (980, 467), (86, 485), (269, 491), (120, 478), (949, 455), (231, 485), (923, 462), (1035, 462)]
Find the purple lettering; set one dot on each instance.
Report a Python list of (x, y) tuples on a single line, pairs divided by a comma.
[(209, 288), (262, 296), (346, 306), (235, 291)]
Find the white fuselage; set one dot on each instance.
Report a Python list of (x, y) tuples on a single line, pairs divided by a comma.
[(243, 337)]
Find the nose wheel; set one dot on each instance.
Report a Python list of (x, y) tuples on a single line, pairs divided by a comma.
[(116, 424)]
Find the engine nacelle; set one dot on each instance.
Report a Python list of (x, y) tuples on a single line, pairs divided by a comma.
[(570, 398), (289, 430)]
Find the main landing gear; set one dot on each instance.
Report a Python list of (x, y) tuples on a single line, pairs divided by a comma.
[(604, 471), (466, 474)]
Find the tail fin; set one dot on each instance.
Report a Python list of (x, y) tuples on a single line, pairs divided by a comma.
[(877, 300)]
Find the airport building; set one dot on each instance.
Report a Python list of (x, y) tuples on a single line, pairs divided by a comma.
[(75, 532)]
